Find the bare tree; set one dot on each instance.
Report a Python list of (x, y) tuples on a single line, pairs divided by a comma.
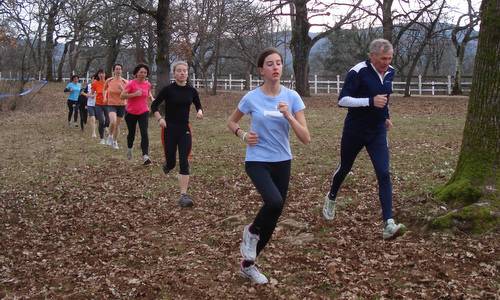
[(301, 43), (427, 28), (163, 34), (466, 33)]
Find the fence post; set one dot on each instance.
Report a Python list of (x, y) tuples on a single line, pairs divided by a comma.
[(328, 87), (230, 83), (420, 84), (449, 85), (338, 84), (241, 87), (433, 88), (0, 75), (10, 74), (315, 83), (212, 82), (39, 75), (250, 81)]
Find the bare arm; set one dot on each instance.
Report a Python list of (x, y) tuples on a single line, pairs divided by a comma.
[(297, 122), (250, 138)]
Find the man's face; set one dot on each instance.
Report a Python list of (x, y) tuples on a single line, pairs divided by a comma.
[(381, 60)]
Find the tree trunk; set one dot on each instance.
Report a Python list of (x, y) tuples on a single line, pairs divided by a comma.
[(476, 176), (457, 82), (113, 51), (387, 20), (49, 42), (61, 63), (301, 44), (220, 24), (163, 33)]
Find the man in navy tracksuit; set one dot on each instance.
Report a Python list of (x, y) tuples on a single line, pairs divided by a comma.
[(366, 93)]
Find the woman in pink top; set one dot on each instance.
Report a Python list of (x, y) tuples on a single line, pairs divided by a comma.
[(137, 91)]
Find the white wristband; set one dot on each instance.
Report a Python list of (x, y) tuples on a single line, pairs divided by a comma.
[(244, 136)]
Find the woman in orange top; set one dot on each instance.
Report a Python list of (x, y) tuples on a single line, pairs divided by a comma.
[(101, 112), (116, 106)]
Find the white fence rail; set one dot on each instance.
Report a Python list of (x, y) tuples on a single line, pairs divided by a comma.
[(442, 86)]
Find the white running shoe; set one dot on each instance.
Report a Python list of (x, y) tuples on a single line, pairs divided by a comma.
[(109, 141), (248, 246), (329, 209), (102, 142), (253, 274), (115, 145), (392, 230), (129, 153)]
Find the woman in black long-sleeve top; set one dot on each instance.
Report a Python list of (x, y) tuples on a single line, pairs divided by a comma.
[(176, 131)]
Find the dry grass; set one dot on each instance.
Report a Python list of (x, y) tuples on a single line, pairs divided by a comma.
[(80, 221)]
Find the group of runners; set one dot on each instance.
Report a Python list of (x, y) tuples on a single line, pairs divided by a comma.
[(108, 101), (273, 110)]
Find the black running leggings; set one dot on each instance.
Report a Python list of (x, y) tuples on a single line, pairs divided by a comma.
[(271, 180), (131, 121), (72, 110), (177, 136)]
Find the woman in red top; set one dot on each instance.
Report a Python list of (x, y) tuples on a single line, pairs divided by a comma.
[(137, 91)]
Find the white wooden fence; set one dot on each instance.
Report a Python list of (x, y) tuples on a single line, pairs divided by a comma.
[(442, 86)]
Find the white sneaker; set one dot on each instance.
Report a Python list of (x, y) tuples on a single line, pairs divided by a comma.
[(392, 230), (253, 274), (329, 209), (129, 153), (115, 145), (248, 246), (102, 142), (109, 141), (146, 159)]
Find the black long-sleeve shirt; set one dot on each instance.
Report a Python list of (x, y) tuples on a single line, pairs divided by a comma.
[(178, 100)]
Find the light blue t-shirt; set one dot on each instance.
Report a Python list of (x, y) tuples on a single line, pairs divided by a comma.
[(269, 124), (75, 87)]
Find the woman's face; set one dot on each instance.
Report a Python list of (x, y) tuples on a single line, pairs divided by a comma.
[(181, 73), (75, 79), (118, 70), (101, 75), (142, 73), (272, 67)]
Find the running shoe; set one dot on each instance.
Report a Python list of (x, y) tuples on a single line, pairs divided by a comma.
[(392, 230), (115, 145), (102, 142), (146, 159), (328, 208), (253, 274), (109, 141), (248, 246), (185, 201), (129, 153)]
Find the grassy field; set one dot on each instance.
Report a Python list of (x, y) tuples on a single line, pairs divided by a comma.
[(79, 220)]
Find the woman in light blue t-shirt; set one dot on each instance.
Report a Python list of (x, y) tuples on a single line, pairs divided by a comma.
[(273, 110), (73, 87)]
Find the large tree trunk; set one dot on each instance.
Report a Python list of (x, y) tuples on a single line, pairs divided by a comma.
[(163, 32), (301, 44), (113, 51), (476, 177)]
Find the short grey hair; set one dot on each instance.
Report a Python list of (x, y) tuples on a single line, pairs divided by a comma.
[(177, 63), (380, 46)]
